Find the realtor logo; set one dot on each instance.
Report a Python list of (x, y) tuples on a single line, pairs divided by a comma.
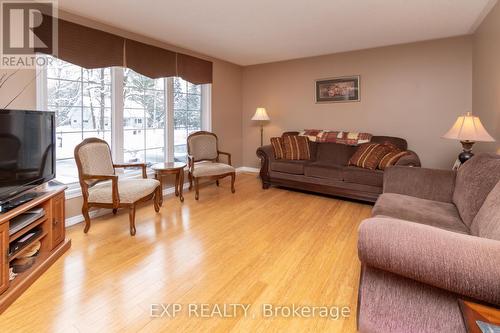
[(27, 27)]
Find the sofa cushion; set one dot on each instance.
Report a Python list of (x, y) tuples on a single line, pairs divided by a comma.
[(434, 213), (326, 171), (296, 147), (334, 153), (487, 221), (368, 155), (475, 180), (358, 175), (294, 167)]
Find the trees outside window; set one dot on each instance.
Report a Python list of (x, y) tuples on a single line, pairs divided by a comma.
[(86, 107), (187, 114)]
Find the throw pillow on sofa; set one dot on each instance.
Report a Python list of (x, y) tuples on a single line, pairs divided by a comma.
[(369, 155), (392, 157), (296, 147), (278, 151)]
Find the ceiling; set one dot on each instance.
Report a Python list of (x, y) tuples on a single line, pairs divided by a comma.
[(260, 31)]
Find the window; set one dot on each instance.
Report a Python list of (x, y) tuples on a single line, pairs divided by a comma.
[(187, 114), (128, 110), (81, 99), (144, 118)]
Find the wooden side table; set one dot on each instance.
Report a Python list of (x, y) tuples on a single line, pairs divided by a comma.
[(474, 313), (171, 168)]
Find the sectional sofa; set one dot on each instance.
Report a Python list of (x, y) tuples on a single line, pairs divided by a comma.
[(434, 238)]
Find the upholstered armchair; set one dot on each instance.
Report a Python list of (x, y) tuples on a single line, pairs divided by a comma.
[(102, 188), (203, 160)]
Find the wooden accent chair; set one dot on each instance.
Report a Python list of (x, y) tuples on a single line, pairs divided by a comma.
[(96, 169), (203, 160)]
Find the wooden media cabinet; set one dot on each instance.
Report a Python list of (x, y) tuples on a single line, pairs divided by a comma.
[(52, 238)]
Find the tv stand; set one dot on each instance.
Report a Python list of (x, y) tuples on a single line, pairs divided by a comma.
[(18, 201), (52, 239)]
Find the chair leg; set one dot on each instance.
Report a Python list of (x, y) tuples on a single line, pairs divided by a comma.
[(197, 189), (217, 183), (131, 216), (85, 213), (233, 178), (156, 199), (190, 177), (114, 211)]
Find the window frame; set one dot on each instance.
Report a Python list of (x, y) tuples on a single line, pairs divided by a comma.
[(117, 114)]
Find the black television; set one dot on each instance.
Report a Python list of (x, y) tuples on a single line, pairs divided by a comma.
[(27, 151)]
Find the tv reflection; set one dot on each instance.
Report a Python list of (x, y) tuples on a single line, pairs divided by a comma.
[(13, 167)]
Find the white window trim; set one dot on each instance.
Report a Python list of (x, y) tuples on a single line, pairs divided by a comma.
[(117, 106), (206, 107), (169, 102)]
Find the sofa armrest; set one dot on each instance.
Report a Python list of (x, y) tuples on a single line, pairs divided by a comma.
[(459, 263), (266, 155), (430, 184), (410, 160)]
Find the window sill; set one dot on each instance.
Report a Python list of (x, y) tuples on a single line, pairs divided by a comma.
[(74, 190)]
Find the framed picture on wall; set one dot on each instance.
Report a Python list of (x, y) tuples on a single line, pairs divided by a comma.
[(340, 89)]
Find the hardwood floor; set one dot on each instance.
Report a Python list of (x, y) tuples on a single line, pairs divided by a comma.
[(255, 247)]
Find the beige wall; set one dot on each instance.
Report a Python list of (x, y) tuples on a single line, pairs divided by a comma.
[(21, 83), (486, 78), (414, 91)]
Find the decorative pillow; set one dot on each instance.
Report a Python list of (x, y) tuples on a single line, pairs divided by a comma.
[(368, 155), (391, 158), (296, 147), (277, 144)]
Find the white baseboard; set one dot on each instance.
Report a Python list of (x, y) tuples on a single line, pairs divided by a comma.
[(79, 218), (101, 211), (169, 190), (248, 169)]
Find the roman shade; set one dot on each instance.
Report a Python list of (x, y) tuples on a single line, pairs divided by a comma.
[(92, 48)]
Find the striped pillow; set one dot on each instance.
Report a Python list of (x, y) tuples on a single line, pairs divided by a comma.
[(391, 158), (296, 147), (277, 144), (368, 155)]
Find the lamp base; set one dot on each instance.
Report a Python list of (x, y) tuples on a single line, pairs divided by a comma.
[(467, 153), (465, 156)]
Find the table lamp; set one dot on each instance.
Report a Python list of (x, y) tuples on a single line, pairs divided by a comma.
[(261, 116), (468, 129)]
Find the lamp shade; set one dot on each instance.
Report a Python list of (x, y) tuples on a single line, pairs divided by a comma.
[(468, 128), (260, 114)]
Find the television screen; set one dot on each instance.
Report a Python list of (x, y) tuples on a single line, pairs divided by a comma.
[(27, 155)]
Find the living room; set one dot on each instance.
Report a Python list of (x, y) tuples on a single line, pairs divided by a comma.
[(275, 166)]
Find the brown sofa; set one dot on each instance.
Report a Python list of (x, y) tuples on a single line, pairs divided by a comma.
[(328, 172), (434, 238)]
